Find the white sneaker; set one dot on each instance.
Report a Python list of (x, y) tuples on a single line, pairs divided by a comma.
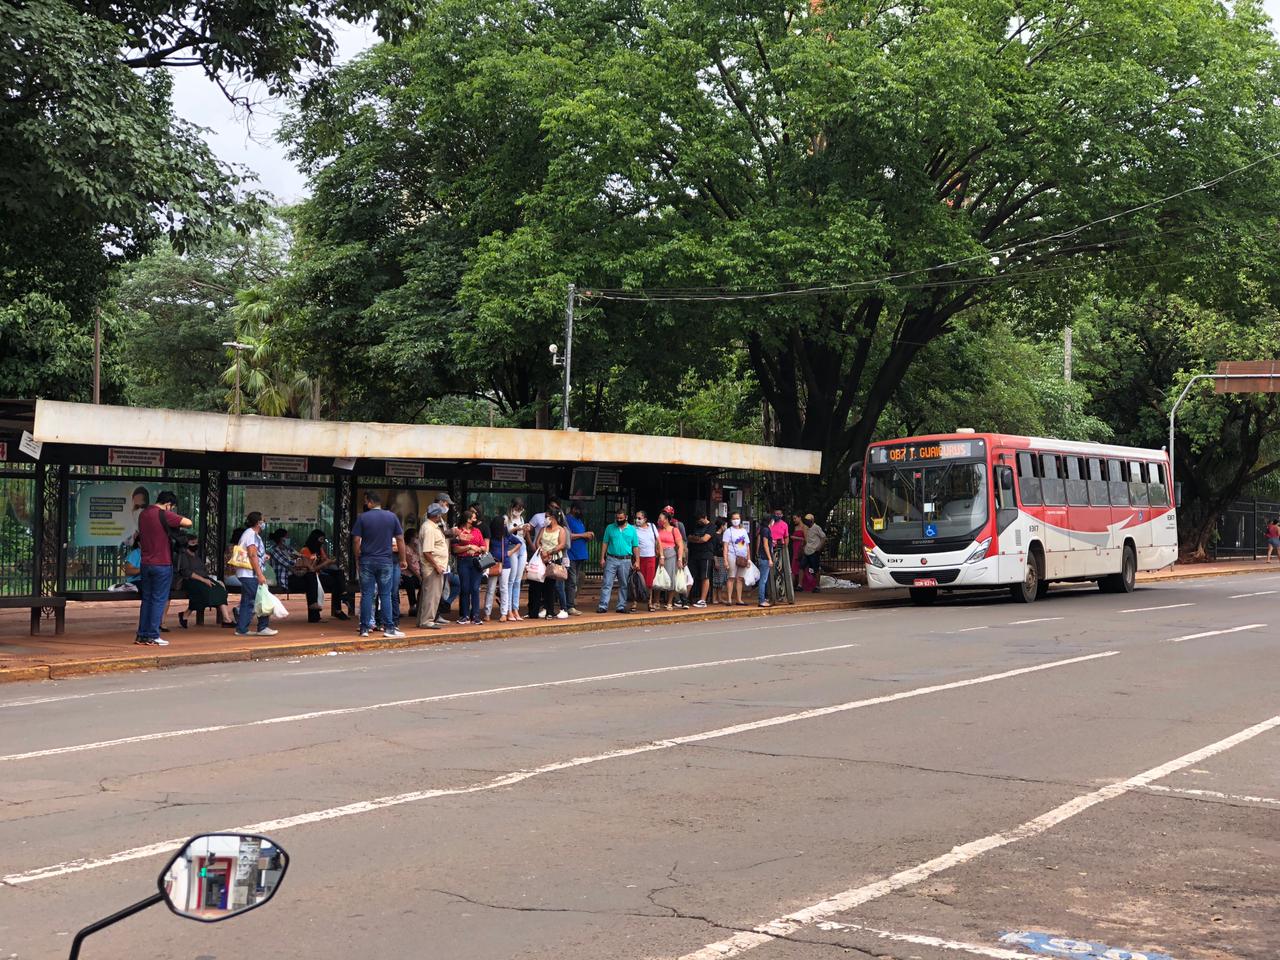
[(160, 642), (542, 614), (562, 615), (392, 634), (267, 632)]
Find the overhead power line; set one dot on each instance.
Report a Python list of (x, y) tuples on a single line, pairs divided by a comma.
[(721, 293)]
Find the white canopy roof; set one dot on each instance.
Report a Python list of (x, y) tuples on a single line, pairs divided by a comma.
[(99, 425)]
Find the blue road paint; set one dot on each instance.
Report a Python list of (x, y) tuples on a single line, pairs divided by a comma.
[(1055, 946)]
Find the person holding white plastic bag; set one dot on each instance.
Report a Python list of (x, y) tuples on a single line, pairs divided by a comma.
[(252, 578), (671, 553), (737, 557)]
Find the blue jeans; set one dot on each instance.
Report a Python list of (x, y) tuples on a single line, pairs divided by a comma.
[(764, 566), (248, 594), (615, 568), (375, 577), (157, 579), (469, 578)]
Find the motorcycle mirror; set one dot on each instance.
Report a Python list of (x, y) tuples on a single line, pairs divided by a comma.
[(220, 875)]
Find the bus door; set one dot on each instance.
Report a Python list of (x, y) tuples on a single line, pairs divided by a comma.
[(1057, 525), (1009, 533), (1140, 502)]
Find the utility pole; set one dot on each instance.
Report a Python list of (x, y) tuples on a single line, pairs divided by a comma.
[(568, 354), (97, 354), (1066, 354)]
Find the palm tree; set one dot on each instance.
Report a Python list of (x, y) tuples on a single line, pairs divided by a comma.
[(270, 382)]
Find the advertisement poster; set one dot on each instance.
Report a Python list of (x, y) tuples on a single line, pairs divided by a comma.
[(285, 504), (409, 505), (106, 513)]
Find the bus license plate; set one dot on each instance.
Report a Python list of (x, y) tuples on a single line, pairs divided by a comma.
[(925, 582)]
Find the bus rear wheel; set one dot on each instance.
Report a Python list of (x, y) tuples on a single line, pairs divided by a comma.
[(1123, 581), (1032, 586), (923, 596)]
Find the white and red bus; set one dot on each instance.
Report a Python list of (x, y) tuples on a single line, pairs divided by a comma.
[(983, 510)]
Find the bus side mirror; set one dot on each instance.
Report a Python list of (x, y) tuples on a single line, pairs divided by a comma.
[(855, 481)]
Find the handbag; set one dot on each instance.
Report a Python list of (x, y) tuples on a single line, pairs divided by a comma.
[(487, 560), (638, 591), (557, 571), (742, 562), (240, 558)]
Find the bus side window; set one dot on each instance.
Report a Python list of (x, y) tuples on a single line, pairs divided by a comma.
[(1138, 484), (1028, 480), (1138, 495), (1077, 486), (1053, 487), (1158, 488), (1099, 496), (1118, 483)]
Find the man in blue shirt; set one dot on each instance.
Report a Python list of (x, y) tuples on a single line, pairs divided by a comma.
[(578, 537), (377, 540), (621, 556)]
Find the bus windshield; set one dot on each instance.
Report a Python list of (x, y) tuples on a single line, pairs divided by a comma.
[(939, 502)]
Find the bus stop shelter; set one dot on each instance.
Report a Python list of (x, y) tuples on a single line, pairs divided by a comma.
[(68, 504)]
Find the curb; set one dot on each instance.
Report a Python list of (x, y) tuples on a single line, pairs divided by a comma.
[(79, 668)]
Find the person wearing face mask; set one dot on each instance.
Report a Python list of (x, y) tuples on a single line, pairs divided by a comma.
[(701, 554), (621, 549), (780, 537), (517, 524), (814, 540), (251, 578), (737, 557), (647, 534), (433, 551), (203, 589), (315, 552), (292, 570)]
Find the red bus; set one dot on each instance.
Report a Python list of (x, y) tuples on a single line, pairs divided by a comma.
[(981, 510)]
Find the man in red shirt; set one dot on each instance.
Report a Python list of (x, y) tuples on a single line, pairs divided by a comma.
[(154, 524)]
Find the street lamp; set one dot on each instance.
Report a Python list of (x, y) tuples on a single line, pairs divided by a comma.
[(239, 348), (566, 361)]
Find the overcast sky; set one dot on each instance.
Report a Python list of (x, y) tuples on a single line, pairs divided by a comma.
[(250, 141)]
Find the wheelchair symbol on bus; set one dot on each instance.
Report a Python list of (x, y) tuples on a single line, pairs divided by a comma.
[(930, 530)]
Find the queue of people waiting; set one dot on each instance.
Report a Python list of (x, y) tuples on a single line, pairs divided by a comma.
[(485, 565)]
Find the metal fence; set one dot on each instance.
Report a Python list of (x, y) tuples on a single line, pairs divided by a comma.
[(1242, 528)]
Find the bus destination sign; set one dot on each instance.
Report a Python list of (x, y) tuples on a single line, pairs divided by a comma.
[(925, 452)]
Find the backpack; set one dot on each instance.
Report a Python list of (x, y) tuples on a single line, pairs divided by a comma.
[(177, 540)]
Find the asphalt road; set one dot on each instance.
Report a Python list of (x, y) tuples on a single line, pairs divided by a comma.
[(975, 779)]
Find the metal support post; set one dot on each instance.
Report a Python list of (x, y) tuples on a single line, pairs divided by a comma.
[(568, 354)]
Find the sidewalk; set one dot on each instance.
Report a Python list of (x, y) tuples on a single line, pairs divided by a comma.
[(99, 637)]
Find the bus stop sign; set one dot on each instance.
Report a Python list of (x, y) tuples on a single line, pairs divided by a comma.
[(1248, 376)]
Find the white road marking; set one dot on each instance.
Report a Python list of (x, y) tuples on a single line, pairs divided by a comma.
[(784, 926), (35, 701), (1215, 633), (518, 776), (1259, 593), (1000, 953), (1215, 795), (1167, 606), (717, 633), (367, 708), (1019, 623), (971, 629)]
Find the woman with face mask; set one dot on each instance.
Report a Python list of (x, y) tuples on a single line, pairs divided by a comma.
[(648, 535), (517, 524), (737, 557), (252, 577)]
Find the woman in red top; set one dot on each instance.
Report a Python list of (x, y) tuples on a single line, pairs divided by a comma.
[(671, 552), (467, 547)]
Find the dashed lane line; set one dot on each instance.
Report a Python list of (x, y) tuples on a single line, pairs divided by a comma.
[(1256, 593), (1214, 633), (1214, 794), (416, 701), (788, 924), (1167, 606), (519, 776), (1020, 623)]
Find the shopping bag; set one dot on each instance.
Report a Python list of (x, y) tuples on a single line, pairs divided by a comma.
[(750, 575), (263, 601), (535, 569), (278, 610), (662, 579), (683, 580)]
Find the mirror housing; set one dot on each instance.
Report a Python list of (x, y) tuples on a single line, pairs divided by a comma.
[(216, 876)]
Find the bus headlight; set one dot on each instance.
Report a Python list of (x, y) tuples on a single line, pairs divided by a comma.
[(979, 552), (875, 561)]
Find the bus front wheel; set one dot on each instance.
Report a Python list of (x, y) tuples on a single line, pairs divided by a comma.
[(1032, 586), (923, 596)]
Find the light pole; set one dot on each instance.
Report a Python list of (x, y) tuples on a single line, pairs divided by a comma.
[(1173, 413), (239, 348), (566, 361)]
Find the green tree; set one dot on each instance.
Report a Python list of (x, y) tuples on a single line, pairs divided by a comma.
[(173, 311), (759, 146)]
